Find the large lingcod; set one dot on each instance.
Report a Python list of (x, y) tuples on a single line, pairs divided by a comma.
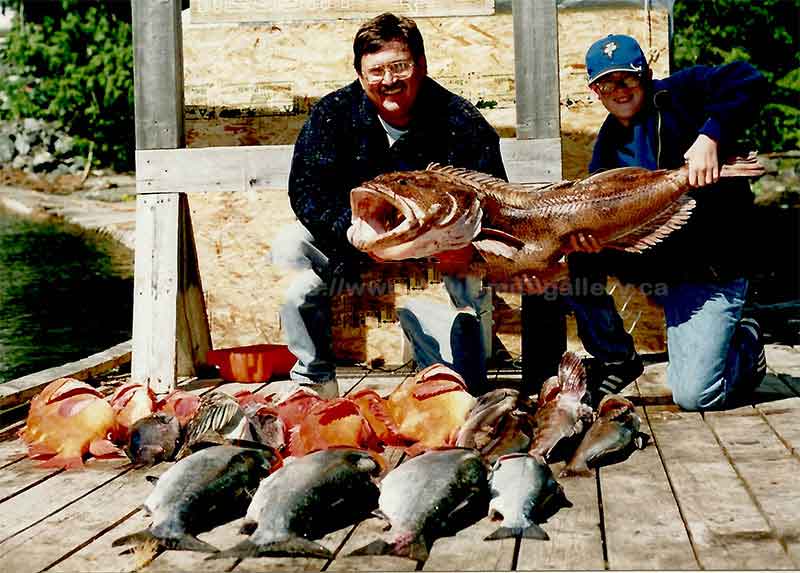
[(518, 230)]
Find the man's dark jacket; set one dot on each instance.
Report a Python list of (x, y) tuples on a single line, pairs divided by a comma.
[(343, 144), (719, 102)]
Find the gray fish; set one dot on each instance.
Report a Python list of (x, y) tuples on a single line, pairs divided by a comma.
[(200, 492), (562, 417), (429, 496), (219, 420), (153, 439), (612, 438), (524, 494), (497, 425), (306, 499)]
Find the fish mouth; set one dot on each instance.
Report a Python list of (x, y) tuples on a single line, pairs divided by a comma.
[(394, 227)]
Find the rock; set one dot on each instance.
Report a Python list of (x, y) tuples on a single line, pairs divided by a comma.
[(42, 161), (22, 143), (63, 145), (7, 148)]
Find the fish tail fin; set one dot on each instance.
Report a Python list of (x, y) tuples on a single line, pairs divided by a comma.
[(572, 374), (533, 531), (742, 167), (183, 543), (641, 440), (413, 547), (291, 547), (138, 537)]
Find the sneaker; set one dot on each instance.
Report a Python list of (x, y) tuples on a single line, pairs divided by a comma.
[(750, 328), (327, 390), (606, 378)]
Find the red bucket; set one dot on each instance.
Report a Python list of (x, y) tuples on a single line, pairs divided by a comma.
[(256, 363)]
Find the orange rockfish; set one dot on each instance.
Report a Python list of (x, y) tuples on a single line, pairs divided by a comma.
[(67, 420), (131, 402), (332, 423), (516, 230), (430, 407)]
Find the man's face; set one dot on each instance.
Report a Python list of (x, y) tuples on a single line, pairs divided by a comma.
[(622, 94), (391, 79)]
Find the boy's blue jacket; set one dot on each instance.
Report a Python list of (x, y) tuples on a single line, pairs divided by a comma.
[(719, 102)]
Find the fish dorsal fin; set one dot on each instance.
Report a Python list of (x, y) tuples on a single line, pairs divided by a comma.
[(572, 374), (656, 230), (478, 178)]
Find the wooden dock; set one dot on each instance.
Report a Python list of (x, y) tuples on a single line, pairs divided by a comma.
[(713, 491)]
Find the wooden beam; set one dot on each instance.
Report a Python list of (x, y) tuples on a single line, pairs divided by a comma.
[(261, 167), (23, 389), (158, 74), (536, 68)]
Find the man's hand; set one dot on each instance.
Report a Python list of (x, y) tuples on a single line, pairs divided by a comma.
[(702, 160)]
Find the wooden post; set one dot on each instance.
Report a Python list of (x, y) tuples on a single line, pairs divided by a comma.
[(536, 80), (170, 327)]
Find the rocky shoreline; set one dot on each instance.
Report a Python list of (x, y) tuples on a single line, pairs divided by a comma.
[(106, 204)]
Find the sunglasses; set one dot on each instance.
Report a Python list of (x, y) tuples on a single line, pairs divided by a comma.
[(608, 85), (399, 70)]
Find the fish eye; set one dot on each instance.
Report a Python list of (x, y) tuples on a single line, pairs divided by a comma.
[(403, 182)]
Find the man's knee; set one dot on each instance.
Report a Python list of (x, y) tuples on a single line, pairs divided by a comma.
[(698, 395), (306, 286)]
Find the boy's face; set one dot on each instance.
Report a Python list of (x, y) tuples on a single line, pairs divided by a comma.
[(622, 94), (392, 79)]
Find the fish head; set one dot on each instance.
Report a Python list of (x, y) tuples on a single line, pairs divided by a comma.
[(414, 214)]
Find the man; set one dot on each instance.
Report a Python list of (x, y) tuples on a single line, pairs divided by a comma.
[(716, 357), (392, 117)]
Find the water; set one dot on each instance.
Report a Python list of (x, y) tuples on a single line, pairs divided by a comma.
[(65, 293)]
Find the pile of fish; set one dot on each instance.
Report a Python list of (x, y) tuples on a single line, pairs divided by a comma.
[(506, 231), (299, 467)]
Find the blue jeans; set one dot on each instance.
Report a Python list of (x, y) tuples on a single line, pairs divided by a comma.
[(306, 311), (711, 366)]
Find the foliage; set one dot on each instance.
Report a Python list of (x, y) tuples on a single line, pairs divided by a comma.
[(76, 68), (763, 33)]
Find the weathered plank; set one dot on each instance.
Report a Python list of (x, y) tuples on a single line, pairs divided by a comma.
[(158, 74), (24, 388), (458, 552), (99, 557), (782, 417), (726, 528), (575, 537), (51, 495), (193, 336), (266, 167), (536, 69), (643, 527), (214, 11), (156, 291), (770, 472), (783, 359), (77, 525)]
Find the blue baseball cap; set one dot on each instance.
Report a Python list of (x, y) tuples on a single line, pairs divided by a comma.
[(614, 53)]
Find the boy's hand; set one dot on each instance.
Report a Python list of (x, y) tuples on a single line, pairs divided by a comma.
[(581, 243), (702, 160)]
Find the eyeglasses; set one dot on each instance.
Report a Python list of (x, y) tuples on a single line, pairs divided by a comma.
[(608, 85), (399, 70)]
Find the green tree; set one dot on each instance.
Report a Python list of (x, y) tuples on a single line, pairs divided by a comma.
[(74, 67), (763, 33)]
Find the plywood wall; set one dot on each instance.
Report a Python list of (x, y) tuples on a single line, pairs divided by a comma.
[(251, 83)]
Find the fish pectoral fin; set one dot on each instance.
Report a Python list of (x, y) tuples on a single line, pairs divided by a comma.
[(533, 531), (641, 440), (496, 235), (657, 229)]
